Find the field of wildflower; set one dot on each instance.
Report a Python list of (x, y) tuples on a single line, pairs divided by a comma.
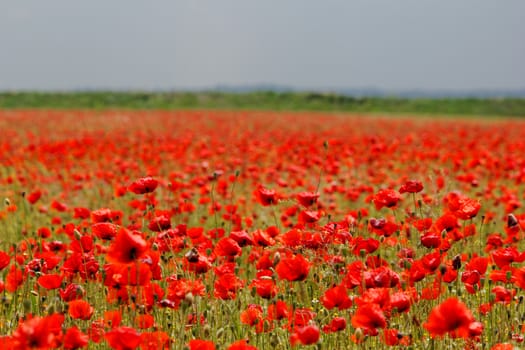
[(260, 230)]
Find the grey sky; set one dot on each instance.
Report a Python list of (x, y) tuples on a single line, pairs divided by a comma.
[(394, 45)]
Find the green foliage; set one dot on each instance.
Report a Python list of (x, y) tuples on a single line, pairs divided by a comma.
[(261, 100)]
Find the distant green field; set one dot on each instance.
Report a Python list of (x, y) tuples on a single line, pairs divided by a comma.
[(293, 101)]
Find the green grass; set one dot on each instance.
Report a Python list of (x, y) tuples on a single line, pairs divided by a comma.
[(264, 100)]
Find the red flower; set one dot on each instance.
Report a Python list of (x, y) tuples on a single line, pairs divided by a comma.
[(306, 335), (227, 247), (80, 309), (307, 198), (253, 316), (71, 292), (336, 324), (452, 317), (468, 208), (123, 338), (104, 230), (265, 196), (226, 286), (386, 198), (126, 248), (39, 332), (34, 196), (50, 281), (4, 260), (154, 340), (75, 339), (336, 297), (143, 185), (293, 268), (411, 186), (160, 223), (265, 287), (369, 317), (241, 345), (198, 344)]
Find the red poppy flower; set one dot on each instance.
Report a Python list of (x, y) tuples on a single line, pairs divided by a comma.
[(411, 186), (468, 208), (253, 316), (226, 286), (241, 345), (336, 297), (452, 317), (293, 268), (154, 340), (39, 332), (143, 185), (336, 324), (265, 287), (14, 279), (127, 247), (144, 321), (50, 281), (4, 260), (160, 223), (112, 318), (279, 310), (75, 339), (71, 292), (80, 309), (227, 247), (123, 338), (104, 230), (307, 199), (370, 317), (265, 196), (305, 335), (386, 198), (198, 344), (34, 196)]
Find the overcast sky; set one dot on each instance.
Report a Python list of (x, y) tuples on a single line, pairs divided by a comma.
[(387, 44)]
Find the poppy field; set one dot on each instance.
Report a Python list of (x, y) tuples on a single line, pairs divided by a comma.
[(260, 230)]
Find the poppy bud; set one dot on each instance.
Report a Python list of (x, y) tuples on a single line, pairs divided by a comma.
[(189, 298), (511, 220), (192, 256), (456, 263), (276, 258), (77, 234), (359, 335)]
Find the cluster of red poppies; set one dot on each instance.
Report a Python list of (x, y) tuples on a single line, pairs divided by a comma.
[(258, 230)]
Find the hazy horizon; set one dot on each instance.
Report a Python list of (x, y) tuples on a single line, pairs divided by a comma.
[(303, 45)]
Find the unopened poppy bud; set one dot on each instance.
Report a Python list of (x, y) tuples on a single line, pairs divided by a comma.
[(511, 220), (219, 333), (274, 341), (456, 262), (192, 256), (77, 234), (276, 258), (189, 298), (359, 335)]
